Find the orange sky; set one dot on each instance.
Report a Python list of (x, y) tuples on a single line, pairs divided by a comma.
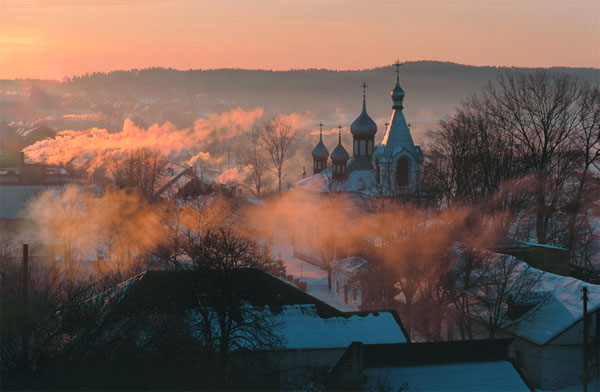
[(55, 38)]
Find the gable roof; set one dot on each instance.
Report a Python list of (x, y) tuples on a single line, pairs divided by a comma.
[(473, 365), (562, 309), (387, 355), (358, 181), (470, 365)]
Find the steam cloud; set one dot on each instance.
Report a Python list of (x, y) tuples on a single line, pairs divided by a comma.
[(97, 144)]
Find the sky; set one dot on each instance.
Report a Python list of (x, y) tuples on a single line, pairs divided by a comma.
[(58, 38)]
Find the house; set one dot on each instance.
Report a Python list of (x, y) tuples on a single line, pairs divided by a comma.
[(544, 315), (346, 278), (475, 365), (362, 283), (544, 257), (548, 341), (173, 180), (312, 333), (36, 174)]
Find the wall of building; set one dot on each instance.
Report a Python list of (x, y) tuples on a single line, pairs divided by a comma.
[(341, 281), (299, 367)]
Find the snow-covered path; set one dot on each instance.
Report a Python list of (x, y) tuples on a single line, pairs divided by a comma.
[(315, 277)]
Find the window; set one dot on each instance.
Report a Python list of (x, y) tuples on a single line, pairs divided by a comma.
[(370, 147), (355, 147), (402, 173), (354, 294), (363, 147), (377, 172)]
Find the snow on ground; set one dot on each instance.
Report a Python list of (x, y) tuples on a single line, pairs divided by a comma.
[(472, 376), (303, 328), (315, 277)]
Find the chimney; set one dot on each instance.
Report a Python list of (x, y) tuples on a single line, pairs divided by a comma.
[(347, 373), (22, 157)]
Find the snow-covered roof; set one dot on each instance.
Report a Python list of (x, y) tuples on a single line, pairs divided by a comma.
[(352, 264), (361, 181), (174, 179), (469, 376), (303, 322), (256, 202), (302, 327), (561, 310)]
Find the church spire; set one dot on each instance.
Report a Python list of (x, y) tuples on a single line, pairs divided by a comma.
[(364, 108), (320, 153), (339, 158), (363, 131), (397, 93)]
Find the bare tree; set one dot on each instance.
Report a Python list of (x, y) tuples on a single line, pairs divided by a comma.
[(531, 135), (507, 294), (468, 157), (586, 141), (139, 169), (541, 110), (277, 136), (253, 159)]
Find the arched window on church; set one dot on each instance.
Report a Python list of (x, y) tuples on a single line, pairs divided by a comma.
[(363, 147), (402, 172)]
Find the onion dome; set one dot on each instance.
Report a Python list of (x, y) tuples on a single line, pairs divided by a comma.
[(363, 126), (339, 153), (397, 93), (320, 151)]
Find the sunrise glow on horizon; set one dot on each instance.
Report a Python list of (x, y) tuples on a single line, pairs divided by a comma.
[(58, 38)]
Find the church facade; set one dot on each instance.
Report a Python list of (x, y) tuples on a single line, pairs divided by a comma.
[(392, 167)]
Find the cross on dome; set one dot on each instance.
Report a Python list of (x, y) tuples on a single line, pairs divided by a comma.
[(364, 87), (398, 64)]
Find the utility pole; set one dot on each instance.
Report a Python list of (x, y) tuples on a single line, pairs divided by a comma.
[(25, 293), (584, 376)]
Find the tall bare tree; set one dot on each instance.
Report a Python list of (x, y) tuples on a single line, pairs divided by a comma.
[(586, 143), (278, 136), (541, 110), (533, 135), (254, 161)]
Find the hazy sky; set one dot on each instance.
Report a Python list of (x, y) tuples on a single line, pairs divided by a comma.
[(55, 38)]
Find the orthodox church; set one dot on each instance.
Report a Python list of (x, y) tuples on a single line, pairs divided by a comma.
[(391, 167)]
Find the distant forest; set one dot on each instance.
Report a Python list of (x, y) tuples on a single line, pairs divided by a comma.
[(154, 95)]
